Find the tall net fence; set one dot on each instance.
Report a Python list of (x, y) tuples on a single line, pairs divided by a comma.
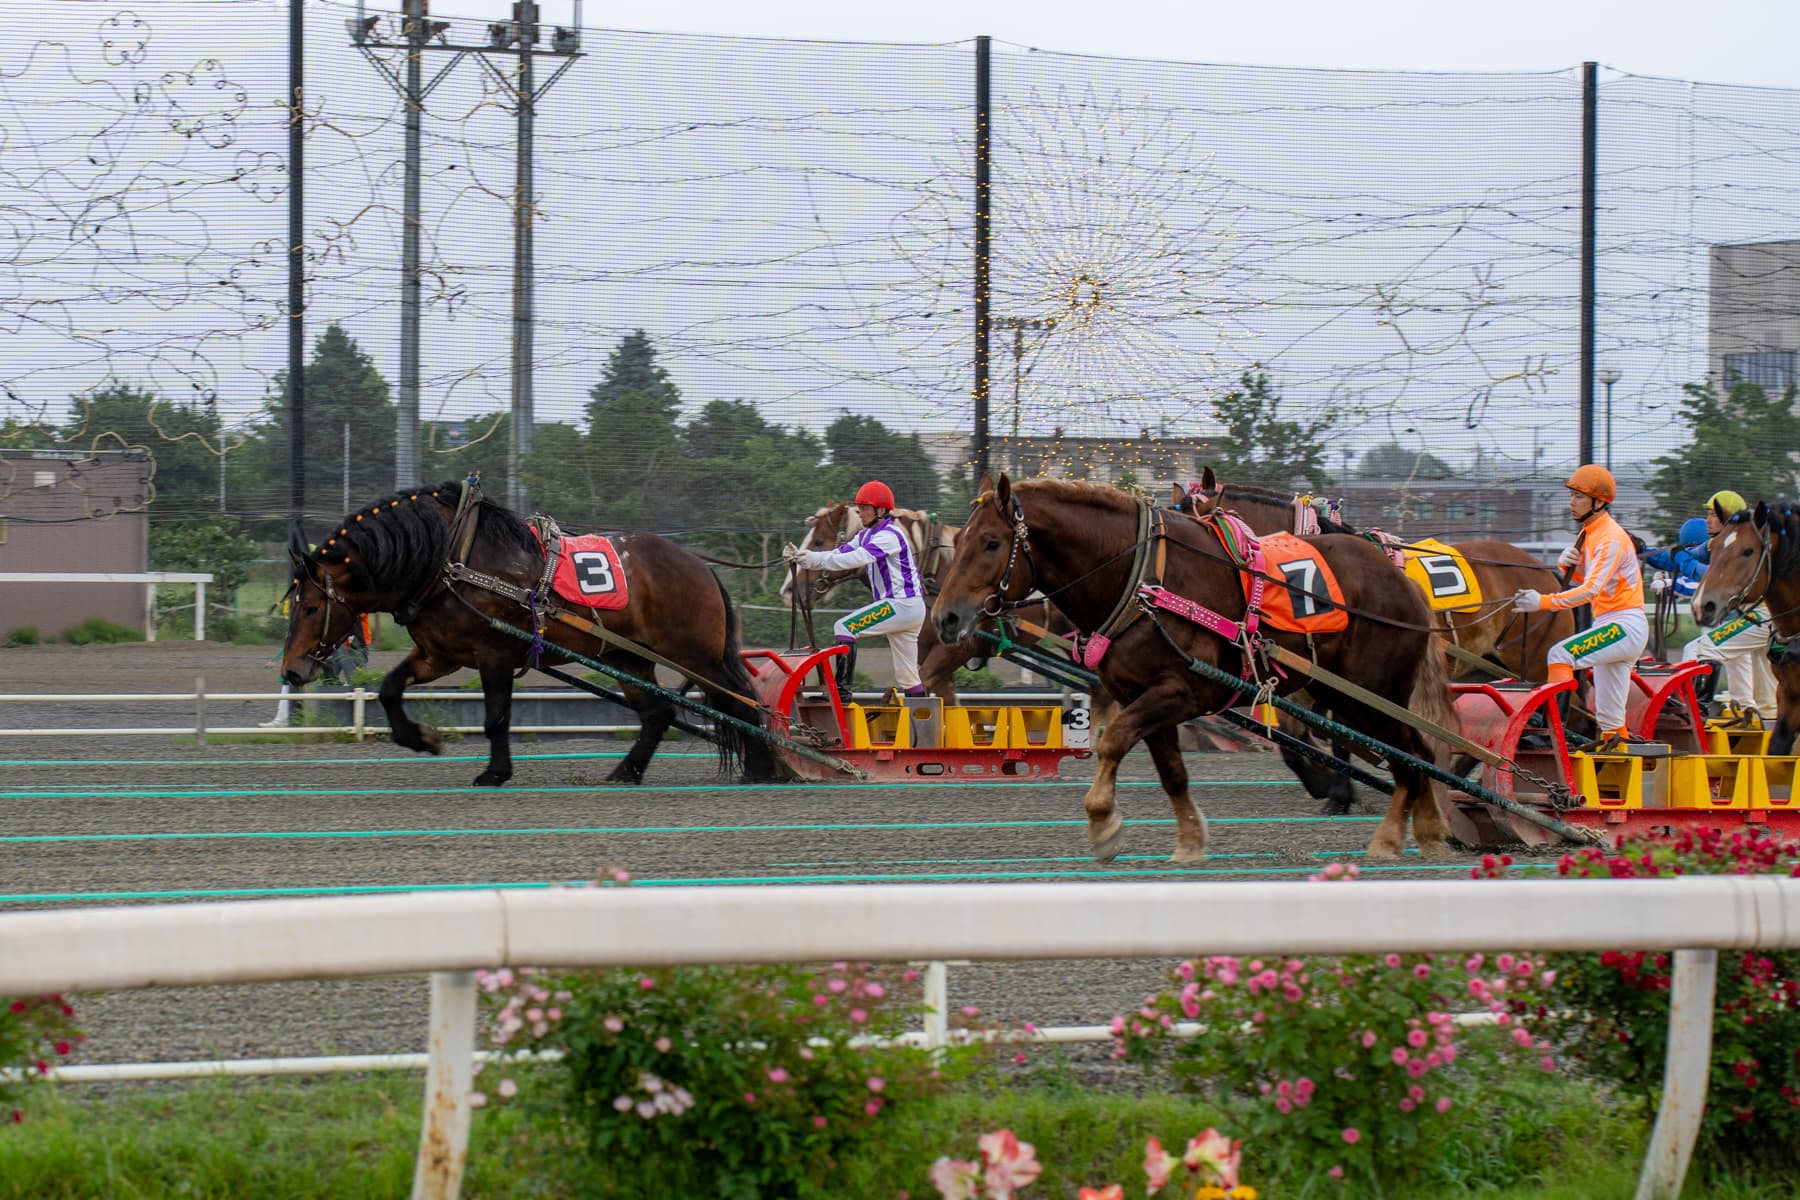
[(1381, 268)]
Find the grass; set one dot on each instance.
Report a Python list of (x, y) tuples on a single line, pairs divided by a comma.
[(355, 1137)]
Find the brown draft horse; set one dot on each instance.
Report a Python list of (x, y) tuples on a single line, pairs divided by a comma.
[(1513, 641), (933, 545), (1755, 559), (1075, 542), (390, 557)]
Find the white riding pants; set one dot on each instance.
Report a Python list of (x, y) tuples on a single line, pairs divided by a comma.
[(1608, 649), (899, 620), (1743, 646)]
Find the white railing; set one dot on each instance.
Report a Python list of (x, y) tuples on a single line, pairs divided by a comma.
[(451, 936), (359, 700), (151, 578)]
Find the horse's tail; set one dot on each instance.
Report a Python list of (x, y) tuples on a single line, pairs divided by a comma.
[(1431, 697), (739, 749)]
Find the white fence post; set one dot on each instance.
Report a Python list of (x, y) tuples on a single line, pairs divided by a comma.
[(149, 612), (937, 1006), (1685, 1074), (200, 710), (358, 703), (449, 1077), (199, 612)]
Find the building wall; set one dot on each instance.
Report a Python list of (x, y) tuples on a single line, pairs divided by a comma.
[(1754, 311), (72, 514)]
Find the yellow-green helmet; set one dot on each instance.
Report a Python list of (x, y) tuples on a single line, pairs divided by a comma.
[(1727, 502)]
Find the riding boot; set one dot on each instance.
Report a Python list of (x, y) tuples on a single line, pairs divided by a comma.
[(1705, 685), (846, 667)]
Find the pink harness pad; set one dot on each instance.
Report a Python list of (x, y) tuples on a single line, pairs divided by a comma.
[(590, 573), (1090, 650)]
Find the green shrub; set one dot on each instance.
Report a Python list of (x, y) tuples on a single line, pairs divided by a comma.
[(245, 629), (985, 679), (1612, 1009), (99, 631), (732, 1082), (24, 635)]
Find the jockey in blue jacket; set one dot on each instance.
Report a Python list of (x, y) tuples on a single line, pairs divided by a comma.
[(1685, 560)]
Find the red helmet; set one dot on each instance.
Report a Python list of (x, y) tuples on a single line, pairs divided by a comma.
[(877, 493)]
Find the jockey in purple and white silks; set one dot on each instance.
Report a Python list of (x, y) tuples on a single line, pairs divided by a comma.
[(898, 609)]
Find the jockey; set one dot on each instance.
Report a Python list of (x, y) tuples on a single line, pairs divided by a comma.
[(1740, 641), (1605, 567), (898, 610), (1685, 560)]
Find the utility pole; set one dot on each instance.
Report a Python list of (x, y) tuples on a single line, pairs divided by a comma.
[(296, 264), (984, 154), (1590, 126), (420, 34), (1019, 325)]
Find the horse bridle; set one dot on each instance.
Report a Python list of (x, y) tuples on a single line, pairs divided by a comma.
[(1021, 540), (321, 653), (1741, 598)]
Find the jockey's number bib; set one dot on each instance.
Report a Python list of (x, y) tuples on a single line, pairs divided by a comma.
[(1302, 594), (1443, 574), (589, 573)]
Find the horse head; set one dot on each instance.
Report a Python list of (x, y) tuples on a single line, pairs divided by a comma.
[(1198, 499), (986, 574), (322, 604), (1739, 568)]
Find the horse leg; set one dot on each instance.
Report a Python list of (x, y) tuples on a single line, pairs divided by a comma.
[(1159, 706), (1190, 824), (414, 668), (1787, 705), (938, 663), (497, 690), (655, 715)]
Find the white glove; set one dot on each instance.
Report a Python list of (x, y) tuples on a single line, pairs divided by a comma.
[(1569, 559), (1659, 583), (793, 554), (1527, 601)]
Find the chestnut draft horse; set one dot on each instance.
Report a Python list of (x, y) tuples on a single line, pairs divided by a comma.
[(1078, 543), (1755, 559), (933, 544), (394, 557)]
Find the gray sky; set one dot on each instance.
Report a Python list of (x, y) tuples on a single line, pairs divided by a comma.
[(1735, 41)]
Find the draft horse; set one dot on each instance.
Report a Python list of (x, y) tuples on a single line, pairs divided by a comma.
[(1077, 543), (1755, 559), (394, 557)]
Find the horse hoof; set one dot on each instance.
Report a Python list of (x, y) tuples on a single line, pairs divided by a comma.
[(1188, 854), (1108, 839), (492, 779), (1337, 808), (1383, 849), (621, 775), (1435, 851), (429, 742)]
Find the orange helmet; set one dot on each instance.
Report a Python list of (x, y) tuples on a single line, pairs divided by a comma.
[(877, 493), (1595, 481)]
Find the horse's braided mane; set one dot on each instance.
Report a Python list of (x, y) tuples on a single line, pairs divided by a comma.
[(1784, 525), (399, 542)]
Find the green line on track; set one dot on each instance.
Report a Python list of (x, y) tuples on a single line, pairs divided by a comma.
[(385, 760), (622, 789), (615, 830), (720, 881)]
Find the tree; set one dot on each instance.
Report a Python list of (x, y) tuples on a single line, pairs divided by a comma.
[(182, 440), (453, 449), (344, 392), (213, 543), (633, 452), (862, 449), (749, 481), (1743, 441), (1391, 460), (1259, 447)]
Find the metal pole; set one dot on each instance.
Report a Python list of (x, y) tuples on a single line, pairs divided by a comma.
[(296, 281), (1609, 384), (346, 466), (983, 230), (1018, 358), (525, 19), (1590, 98), (406, 420)]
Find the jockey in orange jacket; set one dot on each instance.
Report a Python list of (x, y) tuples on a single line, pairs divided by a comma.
[(1603, 566)]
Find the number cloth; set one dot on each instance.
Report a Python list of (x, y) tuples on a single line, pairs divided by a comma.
[(589, 573), (1303, 595), (1443, 574)]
